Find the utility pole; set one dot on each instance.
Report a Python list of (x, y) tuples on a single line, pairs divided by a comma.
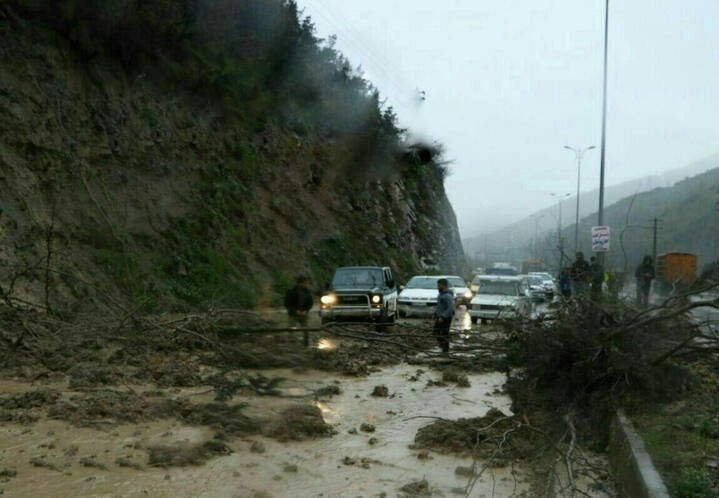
[(600, 220), (655, 229)]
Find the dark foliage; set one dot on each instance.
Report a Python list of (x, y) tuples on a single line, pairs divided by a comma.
[(591, 359), (259, 58)]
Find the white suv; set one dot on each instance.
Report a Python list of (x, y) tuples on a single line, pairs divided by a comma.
[(499, 297)]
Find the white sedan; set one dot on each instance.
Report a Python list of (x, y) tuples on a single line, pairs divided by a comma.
[(500, 297), (419, 296)]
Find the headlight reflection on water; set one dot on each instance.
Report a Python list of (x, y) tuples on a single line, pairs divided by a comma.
[(326, 344), (329, 414), (465, 323)]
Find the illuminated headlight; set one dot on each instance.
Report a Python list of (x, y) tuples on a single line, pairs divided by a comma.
[(328, 299), (468, 295), (376, 299)]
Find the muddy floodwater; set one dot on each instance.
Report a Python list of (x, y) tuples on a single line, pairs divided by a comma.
[(370, 454)]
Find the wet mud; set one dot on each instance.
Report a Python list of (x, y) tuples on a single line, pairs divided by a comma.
[(197, 411)]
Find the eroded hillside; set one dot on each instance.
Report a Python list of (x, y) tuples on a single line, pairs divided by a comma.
[(117, 182)]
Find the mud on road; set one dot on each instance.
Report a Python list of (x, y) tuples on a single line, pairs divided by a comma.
[(179, 406)]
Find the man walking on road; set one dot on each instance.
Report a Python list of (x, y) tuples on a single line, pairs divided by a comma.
[(299, 302), (565, 284), (580, 275), (443, 314), (597, 274), (645, 275)]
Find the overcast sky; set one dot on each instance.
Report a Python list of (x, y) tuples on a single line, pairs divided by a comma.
[(508, 83)]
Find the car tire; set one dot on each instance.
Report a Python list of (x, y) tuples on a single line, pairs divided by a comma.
[(474, 320), (402, 314), (382, 325), (484, 321)]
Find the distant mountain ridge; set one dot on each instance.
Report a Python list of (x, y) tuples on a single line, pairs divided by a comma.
[(688, 222), (522, 232)]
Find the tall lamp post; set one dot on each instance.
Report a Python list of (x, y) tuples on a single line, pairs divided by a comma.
[(579, 154), (560, 241), (600, 220)]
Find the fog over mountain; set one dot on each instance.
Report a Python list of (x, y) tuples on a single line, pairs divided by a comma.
[(539, 223)]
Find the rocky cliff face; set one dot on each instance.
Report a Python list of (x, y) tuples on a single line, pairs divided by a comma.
[(116, 185)]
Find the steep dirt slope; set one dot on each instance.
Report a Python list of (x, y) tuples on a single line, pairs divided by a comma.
[(117, 186)]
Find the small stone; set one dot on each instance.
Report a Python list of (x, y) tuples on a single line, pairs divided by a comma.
[(348, 461), (367, 427), (353, 430), (380, 391), (290, 468), (372, 441), (418, 488), (464, 471), (424, 455), (257, 447)]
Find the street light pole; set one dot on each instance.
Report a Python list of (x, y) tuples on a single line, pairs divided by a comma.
[(600, 220), (579, 154)]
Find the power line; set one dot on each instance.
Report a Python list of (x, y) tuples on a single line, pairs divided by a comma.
[(377, 58), (374, 62)]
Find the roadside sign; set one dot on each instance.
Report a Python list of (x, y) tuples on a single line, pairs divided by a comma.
[(600, 239)]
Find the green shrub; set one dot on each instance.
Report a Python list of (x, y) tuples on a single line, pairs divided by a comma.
[(693, 483)]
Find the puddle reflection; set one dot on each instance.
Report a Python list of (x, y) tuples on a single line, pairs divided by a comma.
[(331, 415), (327, 344)]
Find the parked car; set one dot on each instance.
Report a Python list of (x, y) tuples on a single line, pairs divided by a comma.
[(550, 288), (419, 296), (500, 297), (536, 287), (502, 270), (460, 289), (360, 293), (474, 285)]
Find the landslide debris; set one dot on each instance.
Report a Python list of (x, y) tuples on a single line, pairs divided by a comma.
[(495, 437), (182, 455), (299, 422), (416, 489)]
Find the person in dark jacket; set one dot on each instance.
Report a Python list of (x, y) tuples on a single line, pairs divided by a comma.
[(565, 283), (299, 302), (580, 275), (597, 278), (644, 275), (443, 314)]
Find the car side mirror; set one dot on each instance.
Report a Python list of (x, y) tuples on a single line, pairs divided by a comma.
[(401, 287)]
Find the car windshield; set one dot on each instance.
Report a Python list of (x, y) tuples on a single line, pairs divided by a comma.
[(357, 278), (534, 280), (422, 283), (431, 282), (456, 282), (501, 271), (496, 287), (543, 276)]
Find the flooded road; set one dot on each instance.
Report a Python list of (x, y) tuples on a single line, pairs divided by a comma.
[(370, 453), (353, 462)]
